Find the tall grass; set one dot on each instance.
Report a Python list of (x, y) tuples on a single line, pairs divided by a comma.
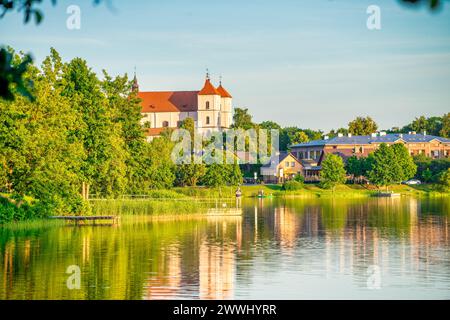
[(147, 206), (32, 224)]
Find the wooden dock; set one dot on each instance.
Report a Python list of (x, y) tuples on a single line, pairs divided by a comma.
[(224, 212), (92, 219)]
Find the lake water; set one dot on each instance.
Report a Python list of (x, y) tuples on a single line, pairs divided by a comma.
[(278, 249)]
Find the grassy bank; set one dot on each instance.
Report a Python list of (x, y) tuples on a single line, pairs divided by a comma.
[(345, 191), (147, 206), (309, 190)]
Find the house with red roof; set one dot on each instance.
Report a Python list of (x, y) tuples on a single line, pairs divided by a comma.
[(210, 107)]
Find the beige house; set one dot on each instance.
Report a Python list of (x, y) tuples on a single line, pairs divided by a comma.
[(282, 167), (211, 108)]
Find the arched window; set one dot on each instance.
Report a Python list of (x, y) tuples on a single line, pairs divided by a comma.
[(165, 124), (207, 120), (207, 105)]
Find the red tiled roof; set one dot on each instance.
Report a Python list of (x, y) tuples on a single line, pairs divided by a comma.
[(208, 89), (154, 131), (168, 101), (224, 93)]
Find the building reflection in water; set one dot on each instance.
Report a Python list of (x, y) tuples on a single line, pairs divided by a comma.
[(216, 257), (218, 243), (165, 284)]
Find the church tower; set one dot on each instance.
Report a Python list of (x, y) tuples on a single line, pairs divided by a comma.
[(209, 101), (135, 85), (226, 112)]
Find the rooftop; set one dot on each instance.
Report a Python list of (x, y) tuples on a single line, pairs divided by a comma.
[(387, 138), (168, 101)]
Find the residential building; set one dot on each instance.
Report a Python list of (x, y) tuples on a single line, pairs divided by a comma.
[(312, 153), (282, 167)]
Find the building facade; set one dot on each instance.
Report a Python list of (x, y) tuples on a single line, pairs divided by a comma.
[(211, 108), (312, 153), (282, 167)]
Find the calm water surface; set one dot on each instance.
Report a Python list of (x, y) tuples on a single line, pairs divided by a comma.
[(278, 249)]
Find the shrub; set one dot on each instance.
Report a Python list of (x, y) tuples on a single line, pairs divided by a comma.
[(299, 178), (292, 185), (444, 180)]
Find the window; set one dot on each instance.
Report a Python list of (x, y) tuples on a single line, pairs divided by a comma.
[(207, 119), (165, 124), (286, 164), (207, 105), (292, 164)]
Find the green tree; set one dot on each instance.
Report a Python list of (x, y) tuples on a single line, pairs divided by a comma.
[(333, 133), (215, 175), (82, 87), (268, 125), (427, 175), (354, 167), (405, 163), (189, 174), (419, 124), (159, 167), (444, 180), (445, 130), (333, 171), (234, 176), (39, 156), (385, 168), (362, 126), (300, 137), (242, 119), (124, 113)]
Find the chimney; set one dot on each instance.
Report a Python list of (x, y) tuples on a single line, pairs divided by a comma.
[(382, 133), (340, 135), (424, 132), (413, 132), (349, 135), (401, 135), (326, 137), (374, 135)]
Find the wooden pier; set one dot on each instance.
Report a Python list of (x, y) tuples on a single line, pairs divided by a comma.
[(388, 194), (224, 212), (92, 219)]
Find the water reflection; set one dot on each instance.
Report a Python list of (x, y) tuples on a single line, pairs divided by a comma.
[(312, 248)]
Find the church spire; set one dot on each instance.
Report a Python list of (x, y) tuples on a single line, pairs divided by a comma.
[(223, 92), (135, 85)]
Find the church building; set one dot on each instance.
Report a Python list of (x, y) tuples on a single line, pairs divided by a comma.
[(210, 107)]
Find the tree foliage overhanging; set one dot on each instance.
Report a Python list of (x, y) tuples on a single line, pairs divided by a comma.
[(81, 136)]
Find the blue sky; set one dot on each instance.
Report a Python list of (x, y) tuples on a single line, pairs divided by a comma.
[(313, 64)]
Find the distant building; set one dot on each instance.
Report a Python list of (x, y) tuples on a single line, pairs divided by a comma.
[(210, 107), (312, 153), (281, 168)]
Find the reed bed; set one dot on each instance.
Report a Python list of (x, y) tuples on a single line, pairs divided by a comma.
[(148, 206)]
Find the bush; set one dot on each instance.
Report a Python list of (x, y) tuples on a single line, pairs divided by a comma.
[(10, 211), (292, 185), (444, 180), (299, 178)]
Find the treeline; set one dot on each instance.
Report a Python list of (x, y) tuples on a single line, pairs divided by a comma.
[(80, 135), (437, 126), (388, 165)]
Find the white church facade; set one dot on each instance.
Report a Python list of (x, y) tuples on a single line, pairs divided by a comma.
[(210, 108)]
